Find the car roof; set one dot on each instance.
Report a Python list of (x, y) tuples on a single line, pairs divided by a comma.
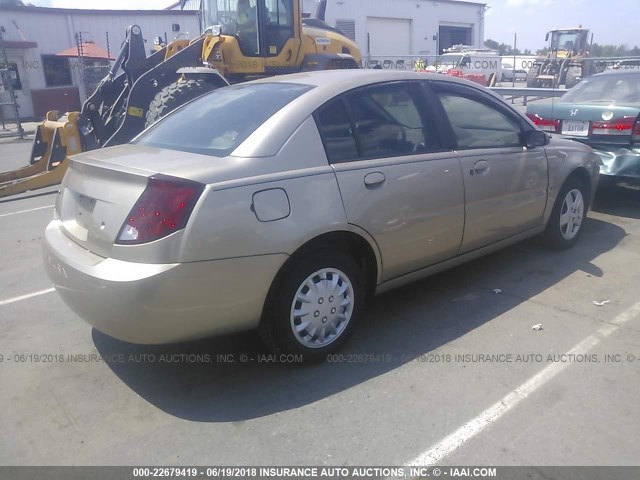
[(326, 85), (347, 79), (330, 83)]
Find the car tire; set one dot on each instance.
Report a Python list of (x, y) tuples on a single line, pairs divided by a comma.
[(568, 216), (334, 287), (174, 96)]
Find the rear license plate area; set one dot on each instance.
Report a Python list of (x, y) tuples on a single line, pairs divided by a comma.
[(576, 128)]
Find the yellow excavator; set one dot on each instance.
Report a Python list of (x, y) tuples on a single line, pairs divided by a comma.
[(567, 60), (241, 40)]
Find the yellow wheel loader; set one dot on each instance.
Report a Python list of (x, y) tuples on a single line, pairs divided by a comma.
[(567, 61), (242, 40)]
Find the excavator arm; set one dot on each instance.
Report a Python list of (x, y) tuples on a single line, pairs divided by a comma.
[(114, 113)]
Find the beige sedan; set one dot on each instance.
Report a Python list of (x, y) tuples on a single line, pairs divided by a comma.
[(283, 204)]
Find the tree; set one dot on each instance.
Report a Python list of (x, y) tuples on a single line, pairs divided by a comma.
[(504, 49), (597, 50), (492, 44), (11, 3)]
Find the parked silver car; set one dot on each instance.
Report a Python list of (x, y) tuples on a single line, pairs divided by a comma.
[(510, 74), (282, 204)]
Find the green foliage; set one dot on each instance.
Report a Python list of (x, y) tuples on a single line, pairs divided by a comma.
[(505, 49), (605, 51), (613, 51)]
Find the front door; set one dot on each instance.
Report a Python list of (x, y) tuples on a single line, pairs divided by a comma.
[(505, 183)]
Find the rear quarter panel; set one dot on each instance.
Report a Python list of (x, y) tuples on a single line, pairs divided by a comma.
[(225, 223), (565, 157)]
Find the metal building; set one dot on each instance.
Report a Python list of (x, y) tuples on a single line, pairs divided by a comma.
[(34, 36), (406, 27)]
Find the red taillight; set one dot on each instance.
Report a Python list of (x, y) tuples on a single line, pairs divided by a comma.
[(545, 124), (617, 126), (163, 208)]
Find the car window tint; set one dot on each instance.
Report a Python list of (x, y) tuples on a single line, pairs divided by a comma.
[(335, 129), (387, 121), (478, 125), (218, 122)]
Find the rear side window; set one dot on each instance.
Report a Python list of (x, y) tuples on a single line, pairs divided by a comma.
[(476, 124), (217, 123), (376, 122), (335, 129)]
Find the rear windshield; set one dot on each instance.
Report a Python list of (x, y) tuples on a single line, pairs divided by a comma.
[(217, 123), (606, 90)]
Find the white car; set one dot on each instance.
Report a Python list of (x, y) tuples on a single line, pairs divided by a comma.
[(509, 73)]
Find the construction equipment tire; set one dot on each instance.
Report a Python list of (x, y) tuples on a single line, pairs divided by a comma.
[(176, 95)]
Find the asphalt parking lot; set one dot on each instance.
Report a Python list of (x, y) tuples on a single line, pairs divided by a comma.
[(444, 371)]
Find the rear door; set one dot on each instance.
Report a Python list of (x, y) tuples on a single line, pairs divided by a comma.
[(397, 181), (505, 183)]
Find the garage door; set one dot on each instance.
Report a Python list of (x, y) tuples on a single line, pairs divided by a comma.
[(389, 36), (450, 36)]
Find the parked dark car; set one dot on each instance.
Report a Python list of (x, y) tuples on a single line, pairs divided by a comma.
[(602, 111)]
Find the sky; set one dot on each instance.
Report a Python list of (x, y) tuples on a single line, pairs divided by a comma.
[(611, 21)]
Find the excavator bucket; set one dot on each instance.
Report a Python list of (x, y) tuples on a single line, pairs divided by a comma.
[(55, 141)]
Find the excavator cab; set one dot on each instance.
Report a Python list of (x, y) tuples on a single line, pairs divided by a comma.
[(566, 62), (262, 27), (568, 42), (257, 38)]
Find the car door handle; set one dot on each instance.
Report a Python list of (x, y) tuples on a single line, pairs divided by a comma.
[(374, 178), (480, 168)]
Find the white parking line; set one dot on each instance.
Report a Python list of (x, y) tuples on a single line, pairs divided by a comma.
[(25, 297), (26, 211), (462, 435)]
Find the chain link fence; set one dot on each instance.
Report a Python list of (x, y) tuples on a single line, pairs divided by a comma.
[(10, 125)]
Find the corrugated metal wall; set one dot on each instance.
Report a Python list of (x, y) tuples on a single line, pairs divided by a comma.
[(425, 16)]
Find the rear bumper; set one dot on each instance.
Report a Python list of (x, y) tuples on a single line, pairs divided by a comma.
[(619, 162), (159, 303)]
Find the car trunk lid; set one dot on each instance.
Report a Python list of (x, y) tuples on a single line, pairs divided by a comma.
[(94, 202), (101, 188), (592, 123)]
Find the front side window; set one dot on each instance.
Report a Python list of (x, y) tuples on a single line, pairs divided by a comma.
[(217, 123), (388, 122), (278, 24), (247, 30), (476, 124)]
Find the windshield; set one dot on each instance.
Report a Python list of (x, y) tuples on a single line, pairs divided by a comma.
[(564, 40), (605, 90), (217, 123)]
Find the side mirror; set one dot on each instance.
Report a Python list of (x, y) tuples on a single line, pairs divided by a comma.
[(535, 138), (546, 38)]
